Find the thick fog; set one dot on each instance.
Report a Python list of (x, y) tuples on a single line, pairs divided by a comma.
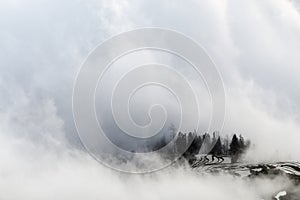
[(254, 44)]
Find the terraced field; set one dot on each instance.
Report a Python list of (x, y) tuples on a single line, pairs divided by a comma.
[(290, 170)]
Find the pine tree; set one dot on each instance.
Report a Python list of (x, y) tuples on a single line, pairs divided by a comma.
[(195, 146), (234, 145), (235, 149), (206, 143), (217, 149)]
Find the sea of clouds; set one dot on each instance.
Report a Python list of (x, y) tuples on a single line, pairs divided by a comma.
[(255, 45)]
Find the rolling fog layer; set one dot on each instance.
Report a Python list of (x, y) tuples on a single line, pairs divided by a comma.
[(255, 45), (30, 171)]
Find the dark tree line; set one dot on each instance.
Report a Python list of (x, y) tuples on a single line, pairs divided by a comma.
[(215, 145), (192, 144)]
